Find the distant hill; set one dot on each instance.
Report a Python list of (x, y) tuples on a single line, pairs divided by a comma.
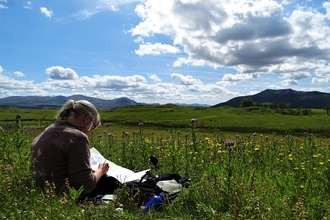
[(191, 105), (292, 99), (30, 102)]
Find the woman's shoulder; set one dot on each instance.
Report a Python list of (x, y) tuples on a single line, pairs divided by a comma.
[(69, 129)]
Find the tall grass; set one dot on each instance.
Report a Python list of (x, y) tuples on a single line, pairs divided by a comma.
[(243, 176)]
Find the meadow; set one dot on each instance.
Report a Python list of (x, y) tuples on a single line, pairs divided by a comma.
[(248, 163)]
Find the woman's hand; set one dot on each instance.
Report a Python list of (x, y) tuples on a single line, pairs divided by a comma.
[(104, 168)]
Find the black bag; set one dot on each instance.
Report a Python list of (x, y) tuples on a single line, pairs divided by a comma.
[(142, 191)]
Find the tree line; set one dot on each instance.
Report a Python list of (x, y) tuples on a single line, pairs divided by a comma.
[(281, 108)]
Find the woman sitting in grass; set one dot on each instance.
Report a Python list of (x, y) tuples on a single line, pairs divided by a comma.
[(61, 152)]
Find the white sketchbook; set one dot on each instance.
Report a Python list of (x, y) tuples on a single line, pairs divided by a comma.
[(122, 174)]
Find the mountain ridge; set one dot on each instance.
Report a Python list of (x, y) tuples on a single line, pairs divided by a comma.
[(30, 102), (291, 98)]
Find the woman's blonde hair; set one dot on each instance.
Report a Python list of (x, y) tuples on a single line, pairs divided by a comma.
[(74, 109)]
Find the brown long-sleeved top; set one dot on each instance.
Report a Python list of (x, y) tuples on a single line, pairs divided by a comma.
[(60, 152)]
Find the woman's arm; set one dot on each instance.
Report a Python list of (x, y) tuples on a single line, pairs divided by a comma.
[(102, 169)]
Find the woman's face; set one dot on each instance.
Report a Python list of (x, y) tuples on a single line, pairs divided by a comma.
[(87, 124)]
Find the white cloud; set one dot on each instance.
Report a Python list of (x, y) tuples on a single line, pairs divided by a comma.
[(249, 36), (19, 74), (186, 80), (286, 2), (28, 5), (274, 87), (156, 49), (6, 93), (325, 71), (46, 12), (8, 83), (238, 77), (326, 5), (223, 83), (135, 87), (157, 17), (289, 82), (323, 75), (296, 76), (154, 77), (119, 82), (139, 40), (320, 80), (90, 8), (253, 92), (2, 6), (97, 82), (58, 72), (189, 61), (254, 38)]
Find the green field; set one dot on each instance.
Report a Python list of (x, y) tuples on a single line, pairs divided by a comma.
[(277, 168), (169, 117)]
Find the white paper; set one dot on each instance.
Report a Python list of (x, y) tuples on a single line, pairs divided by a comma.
[(122, 174)]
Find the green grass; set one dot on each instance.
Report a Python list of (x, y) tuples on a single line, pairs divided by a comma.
[(279, 165), (227, 119)]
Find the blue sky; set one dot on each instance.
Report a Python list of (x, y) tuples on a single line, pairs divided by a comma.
[(163, 51)]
